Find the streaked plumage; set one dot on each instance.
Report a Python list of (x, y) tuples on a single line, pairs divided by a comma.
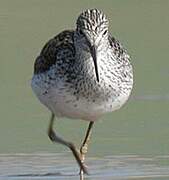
[(66, 78)]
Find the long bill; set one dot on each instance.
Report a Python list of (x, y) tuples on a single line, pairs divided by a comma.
[(93, 54)]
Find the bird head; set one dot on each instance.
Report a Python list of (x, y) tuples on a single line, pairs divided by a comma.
[(92, 27)]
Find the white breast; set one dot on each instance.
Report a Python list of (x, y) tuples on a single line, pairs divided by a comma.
[(58, 100)]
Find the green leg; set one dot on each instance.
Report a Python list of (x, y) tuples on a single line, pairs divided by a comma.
[(57, 139), (84, 147)]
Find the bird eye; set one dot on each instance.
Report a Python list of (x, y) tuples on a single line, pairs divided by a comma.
[(105, 32)]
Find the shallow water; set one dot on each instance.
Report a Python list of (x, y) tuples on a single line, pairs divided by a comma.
[(61, 166), (131, 143)]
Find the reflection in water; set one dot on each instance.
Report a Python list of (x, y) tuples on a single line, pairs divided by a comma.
[(81, 176), (60, 166)]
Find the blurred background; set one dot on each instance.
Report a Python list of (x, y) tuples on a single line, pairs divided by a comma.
[(141, 127)]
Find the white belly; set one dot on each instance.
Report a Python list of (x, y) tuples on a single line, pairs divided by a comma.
[(62, 103)]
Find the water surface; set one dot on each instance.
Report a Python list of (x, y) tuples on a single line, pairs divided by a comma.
[(61, 166)]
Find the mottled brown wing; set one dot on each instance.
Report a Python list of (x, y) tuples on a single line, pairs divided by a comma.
[(48, 55), (117, 47)]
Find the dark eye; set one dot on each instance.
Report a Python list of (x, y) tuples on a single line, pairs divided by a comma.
[(105, 32)]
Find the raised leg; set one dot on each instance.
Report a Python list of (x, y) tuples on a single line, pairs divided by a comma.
[(55, 138), (84, 147)]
